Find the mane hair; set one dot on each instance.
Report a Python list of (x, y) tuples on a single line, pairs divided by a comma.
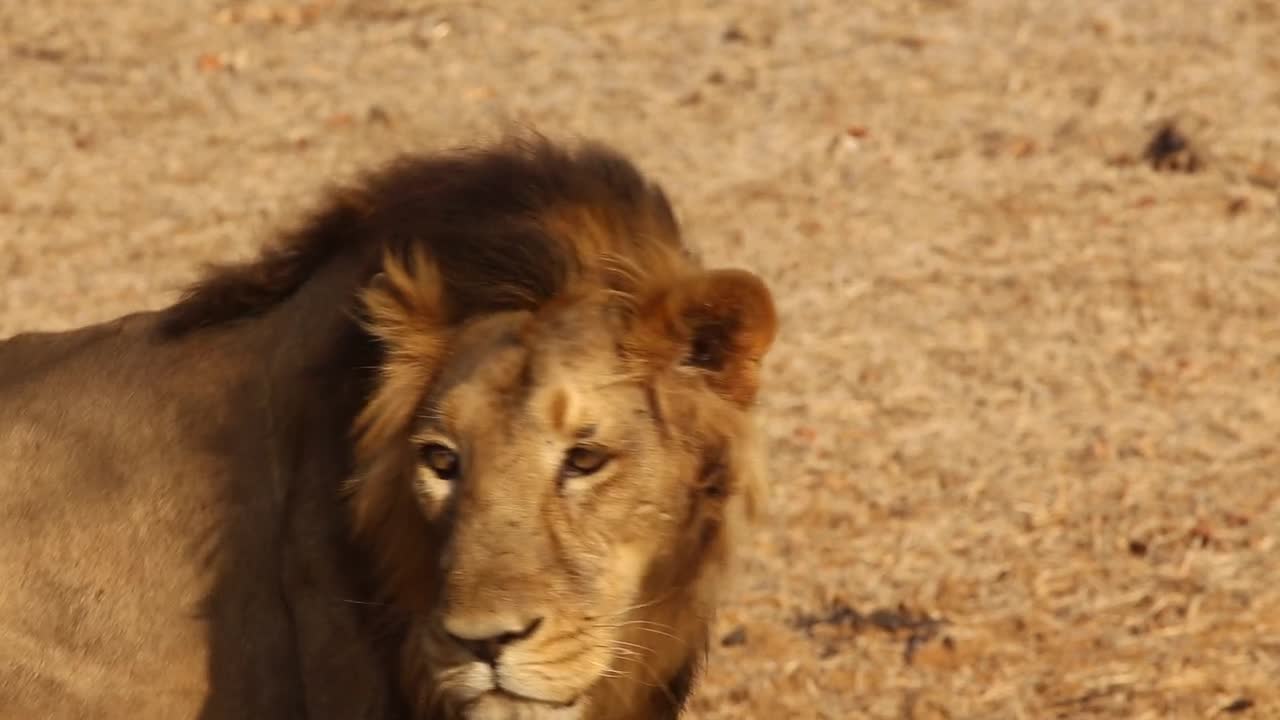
[(509, 226), (437, 240)]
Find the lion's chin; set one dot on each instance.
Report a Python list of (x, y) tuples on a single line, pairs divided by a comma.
[(501, 705)]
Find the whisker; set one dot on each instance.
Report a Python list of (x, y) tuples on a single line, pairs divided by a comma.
[(648, 671), (651, 623), (363, 602), (649, 627), (665, 634), (634, 647), (641, 606), (629, 654), (607, 671)]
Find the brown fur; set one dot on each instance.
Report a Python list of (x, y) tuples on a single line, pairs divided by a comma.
[(516, 301)]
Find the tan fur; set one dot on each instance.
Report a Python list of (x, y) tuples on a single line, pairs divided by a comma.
[(622, 567), (179, 489)]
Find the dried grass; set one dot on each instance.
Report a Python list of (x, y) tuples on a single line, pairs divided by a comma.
[(1027, 385)]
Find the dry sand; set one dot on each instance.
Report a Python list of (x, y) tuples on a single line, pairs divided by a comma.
[(1028, 386)]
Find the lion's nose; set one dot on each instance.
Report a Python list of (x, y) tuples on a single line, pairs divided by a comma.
[(486, 644)]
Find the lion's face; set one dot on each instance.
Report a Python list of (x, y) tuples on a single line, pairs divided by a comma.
[(573, 489), (543, 468)]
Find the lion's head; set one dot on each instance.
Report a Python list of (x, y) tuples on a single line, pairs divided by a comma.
[(552, 492)]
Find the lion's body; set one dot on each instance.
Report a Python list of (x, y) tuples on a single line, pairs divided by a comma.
[(73, 551), (152, 565), (173, 537)]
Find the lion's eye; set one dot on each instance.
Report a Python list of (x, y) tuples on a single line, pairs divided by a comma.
[(442, 460), (584, 460)]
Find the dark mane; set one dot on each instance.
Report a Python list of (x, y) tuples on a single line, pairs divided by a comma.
[(482, 215)]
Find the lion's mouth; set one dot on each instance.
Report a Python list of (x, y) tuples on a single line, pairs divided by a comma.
[(502, 703), (517, 697)]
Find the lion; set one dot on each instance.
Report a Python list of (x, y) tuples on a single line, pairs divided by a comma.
[(476, 440)]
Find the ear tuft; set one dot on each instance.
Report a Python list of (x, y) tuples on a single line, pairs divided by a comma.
[(721, 322)]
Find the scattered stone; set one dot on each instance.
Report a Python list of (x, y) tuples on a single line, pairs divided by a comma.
[(1169, 150), (881, 619), (692, 98), (735, 637), (916, 629), (734, 34), (379, 115), (339, 120), (1238, 705), (739, 695), (1264, 176)]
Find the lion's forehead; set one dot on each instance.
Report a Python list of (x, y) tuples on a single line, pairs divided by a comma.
[(504, 375)]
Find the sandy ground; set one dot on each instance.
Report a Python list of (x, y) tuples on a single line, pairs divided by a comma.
[(1023, 412)]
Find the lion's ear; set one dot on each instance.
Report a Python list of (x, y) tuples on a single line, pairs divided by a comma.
[(404, 310), (721, 322)]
